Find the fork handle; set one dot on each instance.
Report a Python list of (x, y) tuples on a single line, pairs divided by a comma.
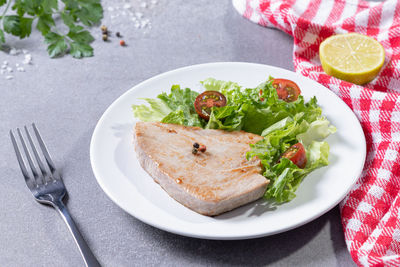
[(87, 255)]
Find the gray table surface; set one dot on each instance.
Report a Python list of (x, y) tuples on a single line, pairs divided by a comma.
[(66, 97)]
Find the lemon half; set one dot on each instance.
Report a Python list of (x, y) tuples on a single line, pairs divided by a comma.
[(352, 57)]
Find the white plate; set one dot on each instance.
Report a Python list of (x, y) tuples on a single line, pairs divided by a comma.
[(119, 174)]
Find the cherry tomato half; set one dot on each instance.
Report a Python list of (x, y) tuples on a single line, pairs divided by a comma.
[(205, 101), (297, 154), (287, 90)]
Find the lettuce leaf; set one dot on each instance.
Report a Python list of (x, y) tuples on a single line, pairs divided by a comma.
[(318, 130), (219, 85), (176, 107), (157, 110), (284, 176)]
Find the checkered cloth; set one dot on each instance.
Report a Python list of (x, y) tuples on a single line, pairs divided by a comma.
[(370, 212)]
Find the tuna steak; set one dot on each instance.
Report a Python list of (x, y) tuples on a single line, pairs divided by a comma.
[(211, 182)]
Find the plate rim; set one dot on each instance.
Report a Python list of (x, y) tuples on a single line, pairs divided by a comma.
[(217, 237)]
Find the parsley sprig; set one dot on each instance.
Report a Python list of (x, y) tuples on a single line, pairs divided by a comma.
[(47, 15)]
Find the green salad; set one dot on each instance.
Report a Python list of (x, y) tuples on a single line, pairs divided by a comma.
[(293, 129)]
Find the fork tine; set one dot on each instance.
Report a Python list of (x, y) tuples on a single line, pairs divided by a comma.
[(29, 181), (35, 153), (28, 155), (46, 153)]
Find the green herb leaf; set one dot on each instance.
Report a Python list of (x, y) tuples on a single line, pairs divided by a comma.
[(11, 25), (90, 13), (19, 6), (68, 19), (74, 14), (18, 26), (45, 23), (79, 50), (31, 7), (81, 38), (2, 38), (57, 44), (26, 27), (49, 6), (79, 35)]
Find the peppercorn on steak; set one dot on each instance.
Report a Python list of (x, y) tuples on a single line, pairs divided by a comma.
[(205, 170)]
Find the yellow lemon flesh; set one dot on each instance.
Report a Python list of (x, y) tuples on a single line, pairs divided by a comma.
[(352, 57)]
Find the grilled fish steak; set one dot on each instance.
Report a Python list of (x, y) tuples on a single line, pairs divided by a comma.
[(211, 182)]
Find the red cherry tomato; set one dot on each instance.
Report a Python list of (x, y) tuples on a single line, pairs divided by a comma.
[(287, 90), (205, 101), (297, 154)]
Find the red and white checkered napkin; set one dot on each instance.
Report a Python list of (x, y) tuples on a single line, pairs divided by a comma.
[(370, 212)]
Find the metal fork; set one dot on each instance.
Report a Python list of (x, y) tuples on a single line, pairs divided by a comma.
[(47, 186)]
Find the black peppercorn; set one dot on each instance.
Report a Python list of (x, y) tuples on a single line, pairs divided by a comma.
[(194, 151), (196, 145)]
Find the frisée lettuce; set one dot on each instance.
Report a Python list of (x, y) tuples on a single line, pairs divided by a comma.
[(256, 110)]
